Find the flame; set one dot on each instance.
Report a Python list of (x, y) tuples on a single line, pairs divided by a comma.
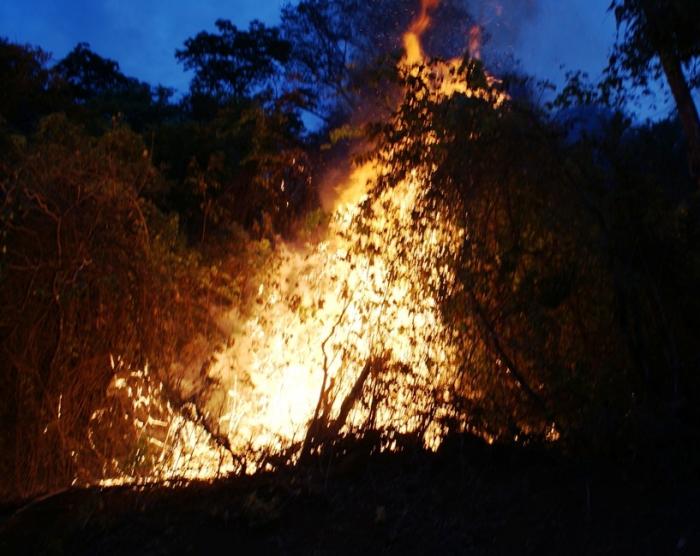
[(328, 310), (412, 38), (323, 311)]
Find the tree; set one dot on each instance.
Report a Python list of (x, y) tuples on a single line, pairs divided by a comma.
[(530, 304), (87, 74), (661, 37), (237, 158), (95, 88), (232, 62), (25, 78), (89, 269), (344, 50)]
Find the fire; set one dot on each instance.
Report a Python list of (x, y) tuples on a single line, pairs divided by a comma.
[(327, 310), (412, 38), (323, 312)]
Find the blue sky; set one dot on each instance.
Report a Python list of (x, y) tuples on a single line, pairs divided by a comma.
[(142, 35), (574, 33)]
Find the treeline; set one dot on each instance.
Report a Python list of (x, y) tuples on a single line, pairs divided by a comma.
[(126, 214)]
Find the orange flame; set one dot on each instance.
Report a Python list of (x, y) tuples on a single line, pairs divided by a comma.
[(411, 39)]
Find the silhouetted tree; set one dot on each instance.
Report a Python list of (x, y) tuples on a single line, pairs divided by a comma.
[(25, 79), (232, 62), (661, 37), (88, 75), (99, 92)]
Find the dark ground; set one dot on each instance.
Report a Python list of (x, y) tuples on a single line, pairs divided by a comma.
[(468, 499)]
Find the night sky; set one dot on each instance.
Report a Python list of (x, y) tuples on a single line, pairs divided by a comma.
[(142, 35)]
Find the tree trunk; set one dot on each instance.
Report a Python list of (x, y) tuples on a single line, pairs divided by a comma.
[(673, 69), (686, 109)]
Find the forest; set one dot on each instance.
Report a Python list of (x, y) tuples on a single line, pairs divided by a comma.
[(359, 235)]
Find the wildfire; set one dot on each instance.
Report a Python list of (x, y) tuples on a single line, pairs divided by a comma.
[(323, 312)]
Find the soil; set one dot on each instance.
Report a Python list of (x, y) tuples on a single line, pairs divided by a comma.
[(469, 498)]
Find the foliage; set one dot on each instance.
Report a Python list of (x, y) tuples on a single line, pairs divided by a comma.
[(647, 28), (544, 305), (95, 91), (344, 52), (233, 63), (88, 75), (90, 271), (661, 38), (25, 78), (243, 166)]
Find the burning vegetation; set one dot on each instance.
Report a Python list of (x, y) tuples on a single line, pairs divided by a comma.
[(178, 306), (346, 333)]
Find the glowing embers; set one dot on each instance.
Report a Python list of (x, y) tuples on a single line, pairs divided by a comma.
[(141, 437)]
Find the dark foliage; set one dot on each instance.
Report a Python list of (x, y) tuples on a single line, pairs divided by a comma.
[(234, 63), (648, 27), (661, 38), (25, 79), (467, 499)]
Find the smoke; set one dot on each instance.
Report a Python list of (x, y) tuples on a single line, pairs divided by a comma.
[(502, 23), (503, 20), (488, 29)]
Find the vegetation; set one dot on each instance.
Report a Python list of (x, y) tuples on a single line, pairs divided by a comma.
[(129, 219), (559, 268), (90, 269), (661, 38)]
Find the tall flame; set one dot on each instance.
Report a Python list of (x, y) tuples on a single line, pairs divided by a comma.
[(412, 38)]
